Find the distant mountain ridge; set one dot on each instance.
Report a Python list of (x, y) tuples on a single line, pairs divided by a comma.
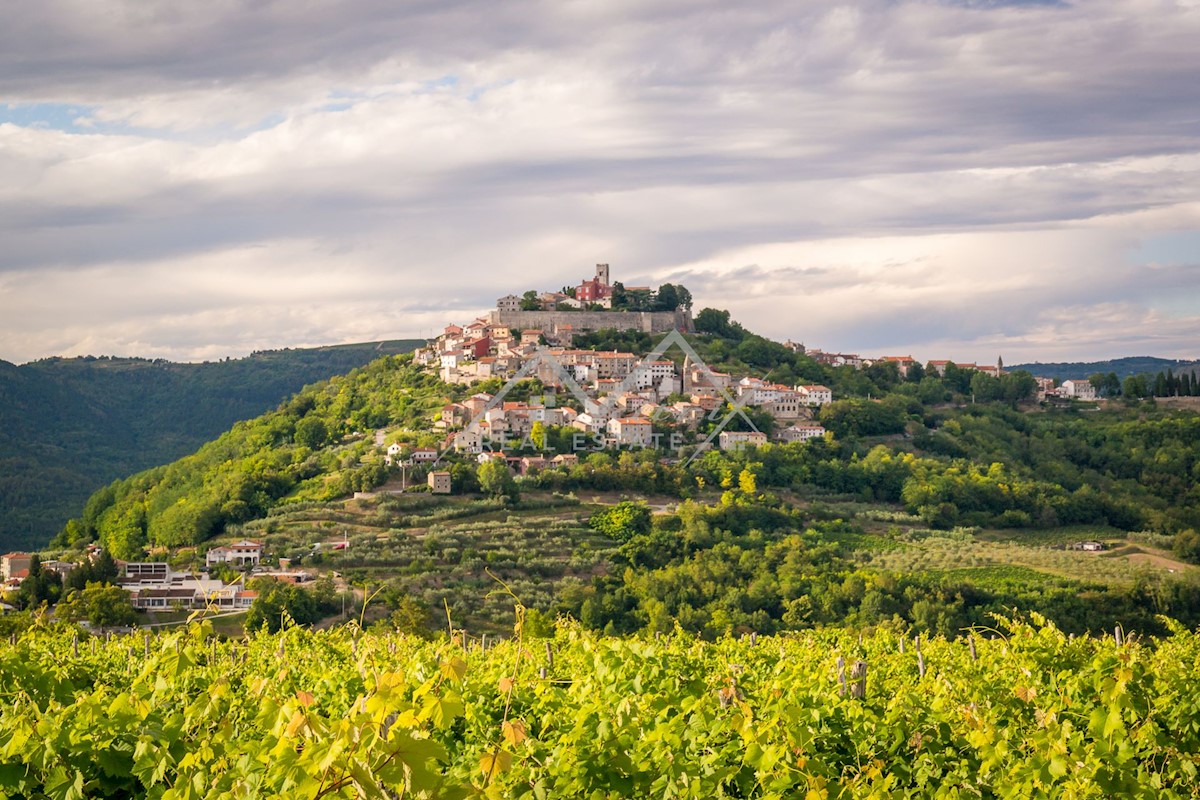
[(1123, 367), (69, 426)]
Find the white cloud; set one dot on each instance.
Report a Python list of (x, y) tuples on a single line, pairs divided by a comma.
[(870, 175)]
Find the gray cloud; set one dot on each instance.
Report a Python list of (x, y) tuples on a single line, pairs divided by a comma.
[(786, 160)]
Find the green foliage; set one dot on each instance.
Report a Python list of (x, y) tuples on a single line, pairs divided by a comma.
[(257, 464), (40, 587), (856, 417), (611, 339), (311, 432), (496, 480), (716, 322), (102, 605), (622, 521), (69, 426), (279, 603), (101, 570), (1187, 546), (1020, 712)]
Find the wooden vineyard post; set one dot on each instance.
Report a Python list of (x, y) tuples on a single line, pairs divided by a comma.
[(920, 657), (971, 645), (841, 674), (858, 674)]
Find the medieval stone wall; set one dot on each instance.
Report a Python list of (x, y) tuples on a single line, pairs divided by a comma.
[(551, 321)]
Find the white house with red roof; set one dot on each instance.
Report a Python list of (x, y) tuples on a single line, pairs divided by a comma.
[(240, 553), (13, 563), (815, 394)]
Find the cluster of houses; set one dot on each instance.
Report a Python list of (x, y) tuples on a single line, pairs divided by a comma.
[(903, 363), (489, 348), (14, 569), (1069, 389), (154, 585), (626, 397), (1047, 388), (478, 351)]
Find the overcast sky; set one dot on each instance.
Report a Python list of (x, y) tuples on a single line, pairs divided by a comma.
[(194, 180)]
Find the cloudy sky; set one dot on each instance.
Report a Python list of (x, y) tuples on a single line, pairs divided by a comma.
[(194, 180)]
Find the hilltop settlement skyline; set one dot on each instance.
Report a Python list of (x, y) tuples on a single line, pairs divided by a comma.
[(559, 313)]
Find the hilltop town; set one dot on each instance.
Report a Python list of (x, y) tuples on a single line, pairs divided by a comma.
[(617, 398)]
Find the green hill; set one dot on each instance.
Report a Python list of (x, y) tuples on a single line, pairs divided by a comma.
[(1123, 367), (905, 512), (71, 425)]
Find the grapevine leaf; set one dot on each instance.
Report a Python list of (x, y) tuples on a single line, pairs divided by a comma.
[(495, 762), (514, 732), (454, 668)]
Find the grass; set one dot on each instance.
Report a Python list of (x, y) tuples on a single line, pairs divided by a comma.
[(942, 554), (1054, 536), (1001, 577)]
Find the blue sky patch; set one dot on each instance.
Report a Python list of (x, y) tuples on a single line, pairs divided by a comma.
[(54, 116)]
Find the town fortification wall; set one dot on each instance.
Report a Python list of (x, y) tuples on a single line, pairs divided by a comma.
[(551, 321)]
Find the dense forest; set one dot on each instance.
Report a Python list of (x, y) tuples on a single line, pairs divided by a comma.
[(68, 426)]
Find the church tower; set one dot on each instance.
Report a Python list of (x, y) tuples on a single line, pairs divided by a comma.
[(602, 274)]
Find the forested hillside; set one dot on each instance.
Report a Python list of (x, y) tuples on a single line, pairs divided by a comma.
[(1121, 367), (918, 442), (772, 538), (69, 426)]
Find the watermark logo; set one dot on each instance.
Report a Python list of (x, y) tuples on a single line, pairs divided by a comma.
[(480, 433)]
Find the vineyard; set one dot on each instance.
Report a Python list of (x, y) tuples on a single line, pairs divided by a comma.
[(1019, 711)]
